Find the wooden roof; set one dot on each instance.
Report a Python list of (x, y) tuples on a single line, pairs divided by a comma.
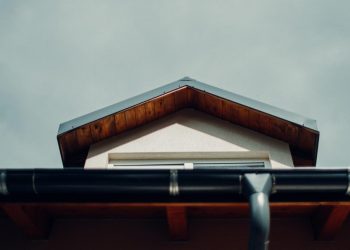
[(75, 136)]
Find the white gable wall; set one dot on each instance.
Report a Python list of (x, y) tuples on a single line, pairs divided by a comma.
[(190, 131)]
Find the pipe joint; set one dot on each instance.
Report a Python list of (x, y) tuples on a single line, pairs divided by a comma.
[(173, 184), (257, 187), (257, 183)]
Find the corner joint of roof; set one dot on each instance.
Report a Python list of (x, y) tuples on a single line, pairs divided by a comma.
[(186, 78)]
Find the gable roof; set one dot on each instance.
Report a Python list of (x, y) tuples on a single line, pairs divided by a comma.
[(75, 136)]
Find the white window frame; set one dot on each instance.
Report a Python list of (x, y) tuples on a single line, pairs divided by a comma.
[(183, 160)]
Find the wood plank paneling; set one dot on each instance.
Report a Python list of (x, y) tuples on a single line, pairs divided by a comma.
[(227, 112), (283, 130), (130, 117), (306, 140), (292, 132), (169, 103), (105, 211), (102, 129), (254, 120), (140, 113), (328, 220), (177, 222), (181, 98), (164, 105), (190, 97), (265, 124), (238, 211), (213, 105), (159, 107), (301, 162), (34, 219), (199, 100), (34, 222), (84, 136), (150, 113), (230, 111), (120, 122), (70, 143), (242, 116)]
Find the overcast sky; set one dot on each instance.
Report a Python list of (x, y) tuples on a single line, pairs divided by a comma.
[(63, 59)]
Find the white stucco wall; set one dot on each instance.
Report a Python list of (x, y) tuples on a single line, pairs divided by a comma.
[(191, 131)]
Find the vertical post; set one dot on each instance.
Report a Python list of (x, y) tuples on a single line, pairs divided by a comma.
[(177, 222), (33, 221), (257, 188)]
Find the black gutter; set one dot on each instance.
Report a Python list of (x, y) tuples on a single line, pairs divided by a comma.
[(297, 184), (219, 185)]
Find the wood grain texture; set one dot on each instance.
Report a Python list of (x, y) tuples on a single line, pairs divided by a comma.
[(150, 111), (120, 122), (229, 111), (243, 116), (181, 98), (130, 118), (306, 140), (213, 105), (198, 101), (84, 136), (69, 143), (140, 113), (169, 103), (159, 110), (103, 128), (190, 97)]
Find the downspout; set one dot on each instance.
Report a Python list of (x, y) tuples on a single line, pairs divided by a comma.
[(257, 188)]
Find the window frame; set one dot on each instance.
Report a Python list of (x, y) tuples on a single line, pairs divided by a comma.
[(183, 160)]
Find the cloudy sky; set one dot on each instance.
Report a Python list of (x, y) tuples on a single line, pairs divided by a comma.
[(62, 59)]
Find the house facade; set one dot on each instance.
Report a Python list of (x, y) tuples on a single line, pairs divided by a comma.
[(182, 130)]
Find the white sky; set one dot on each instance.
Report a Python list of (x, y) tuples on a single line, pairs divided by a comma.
[(62, 59)]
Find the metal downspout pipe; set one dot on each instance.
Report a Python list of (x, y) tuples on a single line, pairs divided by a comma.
[(257, 188)]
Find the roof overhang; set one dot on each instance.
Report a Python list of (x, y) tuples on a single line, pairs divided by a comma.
[(75, 136)]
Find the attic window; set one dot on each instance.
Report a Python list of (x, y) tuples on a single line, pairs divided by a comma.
[(187, 160), (144, 165)]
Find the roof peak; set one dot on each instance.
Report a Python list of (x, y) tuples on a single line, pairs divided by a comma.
[(187, 78), (299, 132)]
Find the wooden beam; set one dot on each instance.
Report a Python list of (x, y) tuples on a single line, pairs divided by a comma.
[(328, 220), (34, 222), (177, 222)]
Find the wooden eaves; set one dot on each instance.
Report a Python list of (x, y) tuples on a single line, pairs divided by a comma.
[(34, 219), (75, 136)]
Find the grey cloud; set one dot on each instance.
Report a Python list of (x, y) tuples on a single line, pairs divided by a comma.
[(62, 59)]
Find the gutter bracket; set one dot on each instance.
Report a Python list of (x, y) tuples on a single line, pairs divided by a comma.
[(257, 188)]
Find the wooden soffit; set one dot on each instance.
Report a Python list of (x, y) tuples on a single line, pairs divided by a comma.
[(76, 136)]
